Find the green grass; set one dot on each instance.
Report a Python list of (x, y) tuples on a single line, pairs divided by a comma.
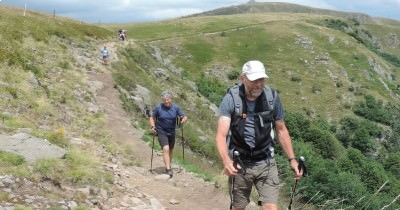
[(182, 27), (43, 89), (150, 139), (386, 36), (41, 28), (10, 159), (201, 51), (80, 167)]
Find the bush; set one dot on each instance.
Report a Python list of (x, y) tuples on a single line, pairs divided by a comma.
[(234, 75), (295, 78), (392, 164), (327, 145), (336, 24), (359, 134), (297, 125), (344, 185), (211, 88), (369, 109)]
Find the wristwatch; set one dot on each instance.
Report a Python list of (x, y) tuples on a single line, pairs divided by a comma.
[(291, 158)]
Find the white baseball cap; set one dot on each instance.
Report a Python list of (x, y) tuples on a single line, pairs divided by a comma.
[(254, 70)]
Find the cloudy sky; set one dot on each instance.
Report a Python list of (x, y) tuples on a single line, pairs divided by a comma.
[(122, 11)]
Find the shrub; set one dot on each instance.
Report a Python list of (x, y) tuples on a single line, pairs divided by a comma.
[(295, 78), (359, 134), (327, 145), (234, 75), (297, 124), (374, 110), (212, 88), (336, 24), (392, 164)]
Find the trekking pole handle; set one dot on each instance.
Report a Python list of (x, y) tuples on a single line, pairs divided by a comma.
[(235, 158), (302, 166)]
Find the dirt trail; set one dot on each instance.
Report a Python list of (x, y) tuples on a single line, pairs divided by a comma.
[(189, 191)]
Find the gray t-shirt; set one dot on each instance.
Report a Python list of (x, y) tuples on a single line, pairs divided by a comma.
[(227, 108)]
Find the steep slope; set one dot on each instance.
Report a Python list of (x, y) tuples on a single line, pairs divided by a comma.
[(327, 69), (308, 61), (55, 87)]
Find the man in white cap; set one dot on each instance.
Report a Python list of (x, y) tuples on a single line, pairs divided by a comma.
[(250, 112)]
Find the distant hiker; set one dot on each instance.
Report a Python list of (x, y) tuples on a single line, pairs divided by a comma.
[(250, 112), (122, 34), (104, 54), (163, 123)]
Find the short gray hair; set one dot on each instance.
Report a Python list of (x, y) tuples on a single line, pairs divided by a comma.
[(166, 94)]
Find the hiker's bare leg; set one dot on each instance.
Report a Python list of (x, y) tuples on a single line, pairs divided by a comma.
[(166, 156), (270, 206), (171, 153)]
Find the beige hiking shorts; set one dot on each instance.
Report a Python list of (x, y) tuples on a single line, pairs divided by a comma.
[(264, 176)]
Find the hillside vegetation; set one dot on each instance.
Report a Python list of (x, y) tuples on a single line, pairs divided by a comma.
[(44, 92), (338, 78)]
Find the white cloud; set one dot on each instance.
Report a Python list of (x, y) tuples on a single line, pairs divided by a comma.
[(142, 10), (171, 13)]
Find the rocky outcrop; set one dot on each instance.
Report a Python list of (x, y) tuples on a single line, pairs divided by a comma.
[(30, 147)]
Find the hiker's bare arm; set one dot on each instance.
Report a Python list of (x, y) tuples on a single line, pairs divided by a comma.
[(152, 124), (286, 144), (222, 132)]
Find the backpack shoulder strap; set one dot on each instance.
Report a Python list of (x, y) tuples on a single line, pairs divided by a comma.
[(270, 97), (234, 92)]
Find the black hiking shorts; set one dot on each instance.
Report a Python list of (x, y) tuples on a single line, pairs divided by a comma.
[(167, 139)]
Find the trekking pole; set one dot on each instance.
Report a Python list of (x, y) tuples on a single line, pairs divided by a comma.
[(232, 178), (183, 145), (241, 170), (152, 150), (301, 167)]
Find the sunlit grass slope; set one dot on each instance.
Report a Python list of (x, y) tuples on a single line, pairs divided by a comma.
[(290, 45)]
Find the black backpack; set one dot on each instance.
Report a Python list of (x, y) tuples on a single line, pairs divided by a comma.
[(270, 96)]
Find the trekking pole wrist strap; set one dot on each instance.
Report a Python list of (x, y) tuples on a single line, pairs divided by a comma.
[(291, 158)]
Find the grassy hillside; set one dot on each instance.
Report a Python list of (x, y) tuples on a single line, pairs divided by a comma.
[(280, 7), (328, 70), (338, 77), (307, 61), (44, 92)]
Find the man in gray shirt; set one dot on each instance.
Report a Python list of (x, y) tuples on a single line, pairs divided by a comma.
[(251, 115)]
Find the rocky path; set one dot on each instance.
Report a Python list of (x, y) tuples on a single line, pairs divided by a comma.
[(182, 192)]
